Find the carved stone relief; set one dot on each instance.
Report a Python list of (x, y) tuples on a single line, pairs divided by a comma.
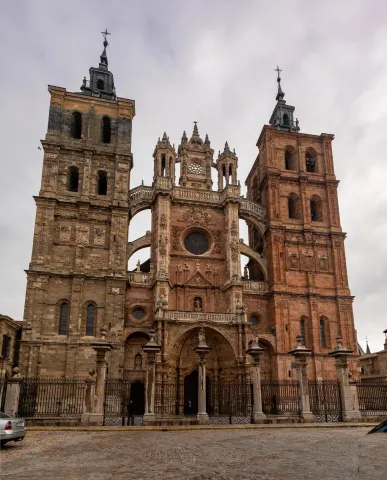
[(82, 235), (64, 233), (99, 236)]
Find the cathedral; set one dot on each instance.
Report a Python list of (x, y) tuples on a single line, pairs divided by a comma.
[(295, 281)]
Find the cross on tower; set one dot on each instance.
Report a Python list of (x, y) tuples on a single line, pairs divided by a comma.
[(278, 70), (105, 34)]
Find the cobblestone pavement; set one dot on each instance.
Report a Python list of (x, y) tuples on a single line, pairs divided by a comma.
[(275, 454)]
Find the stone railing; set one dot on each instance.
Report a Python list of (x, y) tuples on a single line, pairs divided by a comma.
[(181, 316), (140, 194), (197, 195), (253, 208), (250, 286), (141, 242), (139, 279)]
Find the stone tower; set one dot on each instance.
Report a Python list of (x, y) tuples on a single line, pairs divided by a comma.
[(77, 276), (293, 178)]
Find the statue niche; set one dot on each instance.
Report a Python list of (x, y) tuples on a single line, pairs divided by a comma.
[(198, 305)]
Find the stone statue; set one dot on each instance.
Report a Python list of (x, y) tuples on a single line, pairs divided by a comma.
[(198, 304), (202, 336)]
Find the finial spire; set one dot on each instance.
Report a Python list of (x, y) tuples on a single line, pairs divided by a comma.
[(195, 130), (104, 59), (368, 351), (280, 94)]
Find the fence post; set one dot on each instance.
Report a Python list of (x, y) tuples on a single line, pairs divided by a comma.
[(300, 353), (202, 350), (151, 349), (255, 351), (89, 398), (102, 347), (348, 393), (11, 405)]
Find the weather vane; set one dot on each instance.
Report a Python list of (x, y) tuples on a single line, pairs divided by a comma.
[(105, 34)]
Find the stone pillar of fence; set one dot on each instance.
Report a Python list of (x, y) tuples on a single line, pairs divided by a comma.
[(255, 351), (300, 353), (348, 393), (89, 398), (12, 394), (151, 349), (202, 350), (102, 347)]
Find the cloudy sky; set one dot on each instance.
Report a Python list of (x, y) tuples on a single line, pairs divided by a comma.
[(212, 61)]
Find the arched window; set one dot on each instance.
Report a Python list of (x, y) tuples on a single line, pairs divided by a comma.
[(163, 165), (285, 119), (255, 319), (316, 209), (90, 320), (63, 318), (170, 166), (311, 161), (302, 331), (100, 84), (230, 173), (290, 159), (102, 183), (72, 179), (76, 125), (323, 338), (106, 129), (138, 361), (292, 205)]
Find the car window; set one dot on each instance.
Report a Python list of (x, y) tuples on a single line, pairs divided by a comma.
[(3, 415)]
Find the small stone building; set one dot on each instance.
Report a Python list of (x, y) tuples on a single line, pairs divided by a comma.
[(373, 366), (10, 335)]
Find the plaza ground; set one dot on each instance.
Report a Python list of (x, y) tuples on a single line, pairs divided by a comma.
[(226, 454)]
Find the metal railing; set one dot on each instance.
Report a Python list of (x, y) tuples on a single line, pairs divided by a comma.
[(51, 397), (372, 397), (280, 398)]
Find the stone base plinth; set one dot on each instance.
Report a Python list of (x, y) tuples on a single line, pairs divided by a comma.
[(258, 417), (352, 416), (202, 418), (149, 419), (92, 419), (307, 417)]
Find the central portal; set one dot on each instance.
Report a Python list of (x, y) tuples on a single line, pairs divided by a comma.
[(191, 393), (191, 385)]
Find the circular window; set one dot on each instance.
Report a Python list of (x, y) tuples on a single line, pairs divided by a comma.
[(195, 168), (196, 243), (138, 313), (254, 319)]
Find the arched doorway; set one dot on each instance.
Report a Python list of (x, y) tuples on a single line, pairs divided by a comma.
[(137, 398), (191, 383)]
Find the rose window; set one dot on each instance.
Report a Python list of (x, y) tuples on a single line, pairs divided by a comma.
[(195, 168)]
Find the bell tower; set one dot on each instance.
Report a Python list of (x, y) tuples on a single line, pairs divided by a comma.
[(227, 165), (76, 279), (293, 178), (164, 160)]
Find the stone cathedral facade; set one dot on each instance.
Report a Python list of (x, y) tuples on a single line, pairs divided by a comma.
[(295, 280)]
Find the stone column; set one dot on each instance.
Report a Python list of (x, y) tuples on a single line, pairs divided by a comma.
[(89, 398), (255, 351), (102, 347), (348, 393), (301, 353), (151, 349), (202, 350), (12, 396)]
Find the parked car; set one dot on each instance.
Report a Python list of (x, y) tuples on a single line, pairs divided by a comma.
[(11, 429), (381, 428)]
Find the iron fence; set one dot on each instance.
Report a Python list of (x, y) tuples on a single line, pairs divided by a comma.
[(167, 398), (325, 400), (51, 397), (230, 401), (372, 397), (280, 398), (117, 408)]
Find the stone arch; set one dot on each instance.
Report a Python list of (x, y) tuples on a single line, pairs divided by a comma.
[(221, 360), (249, 252), (267, 361), (249, 217), (134, 342), (138, 244)]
